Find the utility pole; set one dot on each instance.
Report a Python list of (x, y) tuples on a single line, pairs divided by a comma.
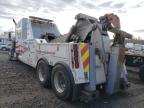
[(9, 35)]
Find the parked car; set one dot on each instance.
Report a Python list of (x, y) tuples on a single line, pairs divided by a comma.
[(5, 44), (129, 46), (5, 47)]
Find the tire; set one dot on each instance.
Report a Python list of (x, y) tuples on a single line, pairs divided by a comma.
[(3, 48), (63, 83), (141, 73), (44, 73)]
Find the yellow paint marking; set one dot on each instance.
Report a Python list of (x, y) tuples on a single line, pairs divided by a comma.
[(82, 46), (85, 56), (86, 69)]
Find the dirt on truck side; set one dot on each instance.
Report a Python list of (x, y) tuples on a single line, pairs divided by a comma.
[(19, 88)]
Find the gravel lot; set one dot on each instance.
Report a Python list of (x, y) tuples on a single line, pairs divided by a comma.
[(19, 88)]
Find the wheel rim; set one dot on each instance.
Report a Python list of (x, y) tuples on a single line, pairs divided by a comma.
[(59, 82), (41, 73)]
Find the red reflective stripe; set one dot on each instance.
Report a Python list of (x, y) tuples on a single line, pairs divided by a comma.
[(86, 62), (84, 49)]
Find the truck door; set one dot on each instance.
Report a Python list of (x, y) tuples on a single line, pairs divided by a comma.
[(32, 52)]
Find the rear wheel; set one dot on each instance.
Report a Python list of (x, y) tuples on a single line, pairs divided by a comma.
[(43, 73), (62, 82), (141, 73)]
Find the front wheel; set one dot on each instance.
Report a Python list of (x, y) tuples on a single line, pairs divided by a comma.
[(43, 73)]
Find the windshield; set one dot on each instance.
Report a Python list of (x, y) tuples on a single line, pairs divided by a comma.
[(40, 29)]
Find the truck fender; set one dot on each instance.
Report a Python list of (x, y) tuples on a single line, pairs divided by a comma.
[(44, 59)]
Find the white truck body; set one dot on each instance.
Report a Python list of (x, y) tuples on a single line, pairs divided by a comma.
[(33, 50), (88, 67)]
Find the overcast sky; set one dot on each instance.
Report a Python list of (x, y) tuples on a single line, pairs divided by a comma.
[(64, 11)]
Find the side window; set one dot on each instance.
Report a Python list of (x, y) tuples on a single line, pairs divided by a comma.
[(24, 28), (0, 40)]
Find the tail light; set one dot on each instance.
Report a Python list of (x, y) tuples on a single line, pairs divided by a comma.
[(75, 58)]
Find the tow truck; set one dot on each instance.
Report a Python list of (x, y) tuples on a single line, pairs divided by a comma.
[(80, 62)]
